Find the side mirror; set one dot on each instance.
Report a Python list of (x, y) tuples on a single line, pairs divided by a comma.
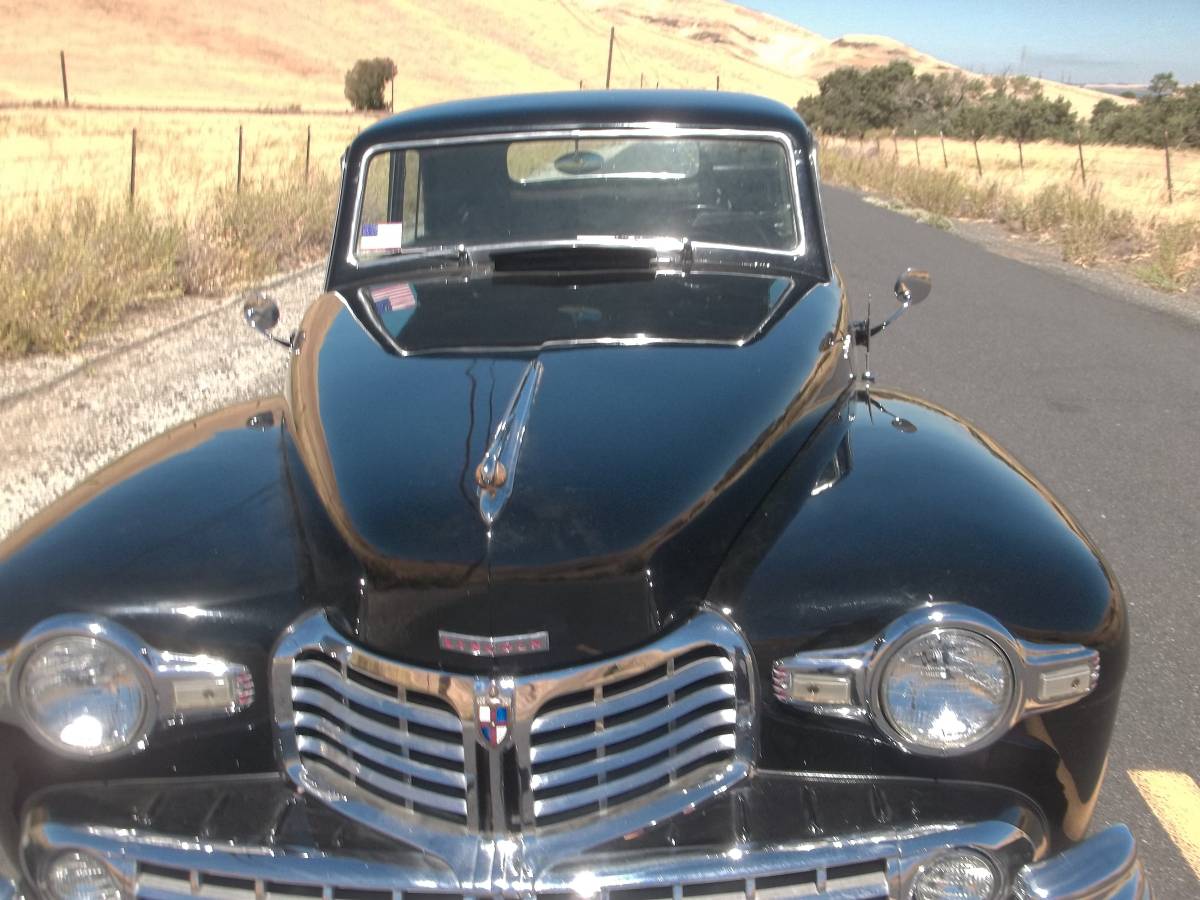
[(261, 313), (913, 286)]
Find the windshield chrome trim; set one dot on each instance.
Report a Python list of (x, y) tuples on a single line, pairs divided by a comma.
[(641, 130)]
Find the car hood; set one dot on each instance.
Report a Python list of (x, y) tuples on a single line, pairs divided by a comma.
[(636, 468)]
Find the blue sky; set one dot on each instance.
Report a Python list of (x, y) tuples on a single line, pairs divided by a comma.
[(1100, 41)]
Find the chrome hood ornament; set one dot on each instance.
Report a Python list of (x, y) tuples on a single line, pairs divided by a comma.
[(494, 476)]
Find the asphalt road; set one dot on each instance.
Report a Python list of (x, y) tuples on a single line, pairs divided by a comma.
[(1100, 398)]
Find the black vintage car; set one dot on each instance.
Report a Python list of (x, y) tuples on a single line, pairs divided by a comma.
[(579, 558)]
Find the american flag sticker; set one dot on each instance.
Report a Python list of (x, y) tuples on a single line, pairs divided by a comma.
[(381, 236), (393, 297)]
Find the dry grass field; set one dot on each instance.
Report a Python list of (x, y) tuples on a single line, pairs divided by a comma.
[(47, 155), (1132, 179), (74, 254), (1121, 216), (295, 52), (148, 55)]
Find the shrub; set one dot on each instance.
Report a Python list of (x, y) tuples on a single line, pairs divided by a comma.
[(366, 81), (74, 266)]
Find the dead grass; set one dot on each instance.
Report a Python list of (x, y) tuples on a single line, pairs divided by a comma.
[(1090, 225), (73, 266), (183, 159), (295, 52)]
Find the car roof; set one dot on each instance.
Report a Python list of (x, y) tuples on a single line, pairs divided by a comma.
[(586, 109)]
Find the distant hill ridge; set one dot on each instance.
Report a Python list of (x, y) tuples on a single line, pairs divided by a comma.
[(295, 52)]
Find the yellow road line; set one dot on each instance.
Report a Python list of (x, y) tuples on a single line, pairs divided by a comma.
[(1175, 799)]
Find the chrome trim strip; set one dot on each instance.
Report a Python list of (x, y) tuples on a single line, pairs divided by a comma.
[(179, 688), (1105, 865), (462, 847), (839, 868), (638, 130), (845, 682)]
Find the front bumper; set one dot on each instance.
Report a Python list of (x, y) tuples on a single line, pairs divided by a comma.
[(776, 835)]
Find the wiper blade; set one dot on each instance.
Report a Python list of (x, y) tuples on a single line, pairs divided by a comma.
[(459, 254), (575, 258)]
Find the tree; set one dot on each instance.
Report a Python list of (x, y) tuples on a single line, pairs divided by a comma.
[(1163, 85), (366, 81)]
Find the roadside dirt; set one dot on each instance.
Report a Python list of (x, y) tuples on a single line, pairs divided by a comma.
[(65, 417)]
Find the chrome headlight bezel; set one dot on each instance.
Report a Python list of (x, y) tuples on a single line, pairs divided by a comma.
[(877, 682), (176, 687), (115, 638), (847, 682)]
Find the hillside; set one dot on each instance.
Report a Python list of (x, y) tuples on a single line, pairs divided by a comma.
[(295, 52)]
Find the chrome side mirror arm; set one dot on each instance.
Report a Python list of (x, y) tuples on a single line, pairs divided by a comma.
[(911, 288), (261, 313)]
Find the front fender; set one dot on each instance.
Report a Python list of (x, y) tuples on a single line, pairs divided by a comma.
[(192, 542), (928, 509)]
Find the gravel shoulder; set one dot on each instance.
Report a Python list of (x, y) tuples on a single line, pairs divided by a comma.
[(66, 417)]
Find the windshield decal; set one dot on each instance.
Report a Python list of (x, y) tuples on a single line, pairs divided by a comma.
[(393, 297), (378, 236)]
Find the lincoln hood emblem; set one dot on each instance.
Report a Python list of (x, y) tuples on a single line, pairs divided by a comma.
[(493, 710), (495, 474)]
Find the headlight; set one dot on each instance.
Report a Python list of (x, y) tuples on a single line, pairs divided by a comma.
[(74, 875), (956, 875), (83, 696), (947, 690)]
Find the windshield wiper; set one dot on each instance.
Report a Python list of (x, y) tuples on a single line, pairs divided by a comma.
[(459, 254)]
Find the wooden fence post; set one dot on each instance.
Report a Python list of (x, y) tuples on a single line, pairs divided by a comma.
[(945, 161), (1021, 155), (718, 81), (239, 167), (895, 149), (307, 152), (132, 166), (978, 164), (1082, 169), (1167, 153), (917, 144), (612, 37), (62, 62)]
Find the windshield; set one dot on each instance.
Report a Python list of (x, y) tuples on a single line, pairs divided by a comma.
[(734, 191)]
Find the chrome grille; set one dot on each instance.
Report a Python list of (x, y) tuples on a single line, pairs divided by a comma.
[(402, 746), (595, 751), (865, 880), (592, 750)]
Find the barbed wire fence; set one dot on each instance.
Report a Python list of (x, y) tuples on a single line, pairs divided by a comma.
[(1177, 169)]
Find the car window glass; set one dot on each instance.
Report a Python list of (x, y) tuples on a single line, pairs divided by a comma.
[(735, 191)]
